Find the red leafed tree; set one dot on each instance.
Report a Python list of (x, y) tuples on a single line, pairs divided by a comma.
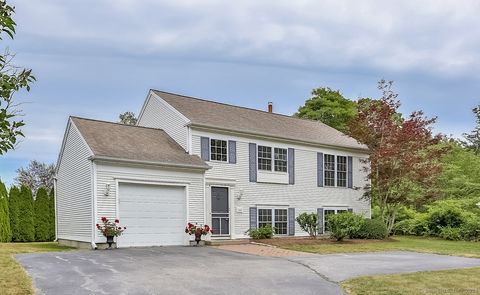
[(403, 153)]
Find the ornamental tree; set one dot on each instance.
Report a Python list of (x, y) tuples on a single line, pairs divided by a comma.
[(404, 155), (26, 218), (5, 232), (13, 199), (42, 216)]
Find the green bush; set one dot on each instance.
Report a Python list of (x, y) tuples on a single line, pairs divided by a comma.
[(26, 223), (51, 215), (13, 210), (450, 233), (42, 216), (372, 229), (308, 223), (264, 232), (417, 226), (5, 231), (444, 216), (344, 225), (470, 230)]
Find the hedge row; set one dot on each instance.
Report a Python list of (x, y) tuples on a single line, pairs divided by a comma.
[(24, 218)]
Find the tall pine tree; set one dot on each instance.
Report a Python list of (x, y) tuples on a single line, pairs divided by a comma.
[(5, 231), (51, 202), (26, 222), (13, 209), (42, 216)]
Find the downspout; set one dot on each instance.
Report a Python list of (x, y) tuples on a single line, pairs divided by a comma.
[(94, 204)]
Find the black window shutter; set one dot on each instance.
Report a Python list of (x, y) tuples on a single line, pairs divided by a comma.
[(350, 172), (252, 161), (320, 221), (232, 152), (291, 166), (291, 221), (253, 217), (205, 148), (319, 169)]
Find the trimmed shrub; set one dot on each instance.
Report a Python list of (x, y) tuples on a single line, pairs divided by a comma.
[(417, 226), (26, 223), (450, 233), (13, 211), (264, 232), (42, 216), (308, 223), (51, 215), (470, 230), (372, 229), (444, 216), (5, 231), (344, 225)]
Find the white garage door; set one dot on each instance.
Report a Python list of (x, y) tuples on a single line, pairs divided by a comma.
[(154, 215)]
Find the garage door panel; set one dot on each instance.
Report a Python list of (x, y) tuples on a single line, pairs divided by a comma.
[(153, 214)]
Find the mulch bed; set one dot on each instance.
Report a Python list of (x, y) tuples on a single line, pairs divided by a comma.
[(279, 242)]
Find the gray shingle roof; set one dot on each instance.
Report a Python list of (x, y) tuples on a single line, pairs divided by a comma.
[(240, 119), (133, 143)]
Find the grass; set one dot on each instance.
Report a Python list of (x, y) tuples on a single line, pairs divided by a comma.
[(400, 243), (13, 279), (458, 281)]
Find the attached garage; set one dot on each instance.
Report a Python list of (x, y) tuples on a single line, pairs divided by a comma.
[(138, 175), (156, 214)]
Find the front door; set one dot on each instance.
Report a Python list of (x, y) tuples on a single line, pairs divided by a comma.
[(220, 211)]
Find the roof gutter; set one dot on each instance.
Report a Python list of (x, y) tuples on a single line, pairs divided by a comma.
[(209, 127), (153, 163)]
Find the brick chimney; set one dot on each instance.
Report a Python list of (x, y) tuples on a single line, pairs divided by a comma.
[(270, 107)]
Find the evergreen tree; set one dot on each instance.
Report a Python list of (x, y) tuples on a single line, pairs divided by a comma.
[(51, 203), (26, 222), (14, 212), (5, 231), (42, 216)]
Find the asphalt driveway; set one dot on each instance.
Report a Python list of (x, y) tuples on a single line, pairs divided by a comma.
[(206, 270), (170, 270)]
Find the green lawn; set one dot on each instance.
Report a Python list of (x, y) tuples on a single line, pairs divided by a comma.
[(13, 279), (400, 243), (458, 281)]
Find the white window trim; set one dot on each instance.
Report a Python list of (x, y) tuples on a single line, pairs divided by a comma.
[(272, 158), (210, 151), (272, 208)]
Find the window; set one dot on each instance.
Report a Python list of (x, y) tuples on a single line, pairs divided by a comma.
[(276, 218), (329, 170), (281, 221), (264, 217), (264, 158), (341, 171), (328, 212), (218, 150), (280, 157)]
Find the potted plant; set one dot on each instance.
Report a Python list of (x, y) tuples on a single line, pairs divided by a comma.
[(110, 230), (198, 231)]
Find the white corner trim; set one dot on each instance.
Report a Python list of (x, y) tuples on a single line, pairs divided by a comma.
[(142, 110)]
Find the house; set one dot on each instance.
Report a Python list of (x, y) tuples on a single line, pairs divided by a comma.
[(199, 161)]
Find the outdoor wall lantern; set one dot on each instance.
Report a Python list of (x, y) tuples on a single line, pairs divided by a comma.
[(107, 190), (240, 194)]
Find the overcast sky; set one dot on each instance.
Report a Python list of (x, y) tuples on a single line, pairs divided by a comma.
[(98, 58)]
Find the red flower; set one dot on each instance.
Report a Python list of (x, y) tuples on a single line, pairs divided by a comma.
[(104, 219), (190, 225), (186, 230), (117, 221)]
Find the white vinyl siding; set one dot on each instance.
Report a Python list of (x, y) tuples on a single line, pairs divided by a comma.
[(157, 114), (110, 174), (304, 195), (74, 189)]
